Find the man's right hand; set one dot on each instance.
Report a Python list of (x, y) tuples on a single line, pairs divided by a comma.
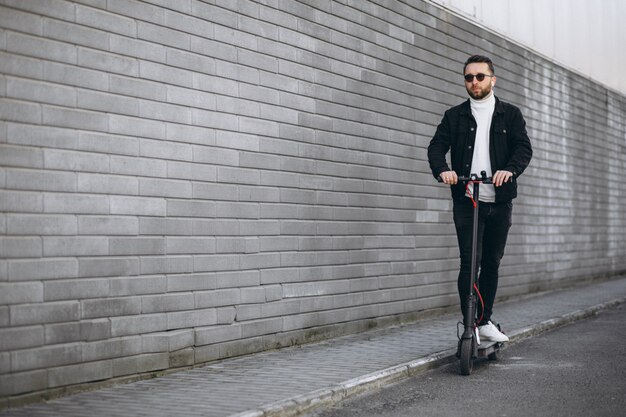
[(449, 177)]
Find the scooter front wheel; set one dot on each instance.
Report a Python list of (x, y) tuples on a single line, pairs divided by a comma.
[(467, 353)]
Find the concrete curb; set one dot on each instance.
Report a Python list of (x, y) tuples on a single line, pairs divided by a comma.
[(308, 402)]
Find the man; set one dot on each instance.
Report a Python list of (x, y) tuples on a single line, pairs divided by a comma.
[(482, 134)]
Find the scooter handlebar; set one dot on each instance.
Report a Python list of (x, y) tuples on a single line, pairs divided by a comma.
[(483, 178)]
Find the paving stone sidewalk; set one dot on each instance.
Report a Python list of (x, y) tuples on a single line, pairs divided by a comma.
[(286, 381)]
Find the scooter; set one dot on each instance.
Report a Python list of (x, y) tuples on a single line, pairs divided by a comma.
[(470, 346)]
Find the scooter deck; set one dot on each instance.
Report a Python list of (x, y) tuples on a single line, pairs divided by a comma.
[(487, 348)]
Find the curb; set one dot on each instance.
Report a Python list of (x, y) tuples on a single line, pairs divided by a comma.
[(325, 397)]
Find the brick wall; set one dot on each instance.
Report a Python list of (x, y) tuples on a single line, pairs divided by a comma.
[(188, 181)]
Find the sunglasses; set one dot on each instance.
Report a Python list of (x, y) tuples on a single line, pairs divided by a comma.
[(480, 76)]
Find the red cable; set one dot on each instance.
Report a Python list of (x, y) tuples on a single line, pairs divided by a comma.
[(471, 194), (482, 303)]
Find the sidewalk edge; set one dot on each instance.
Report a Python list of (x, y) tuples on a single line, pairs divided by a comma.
[(300, 404)]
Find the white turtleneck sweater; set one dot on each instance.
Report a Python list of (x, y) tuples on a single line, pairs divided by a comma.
[(482, 110)]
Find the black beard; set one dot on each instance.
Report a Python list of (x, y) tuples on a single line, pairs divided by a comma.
[(481, 95)]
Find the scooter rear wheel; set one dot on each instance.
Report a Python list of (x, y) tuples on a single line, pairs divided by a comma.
[(467, 360)]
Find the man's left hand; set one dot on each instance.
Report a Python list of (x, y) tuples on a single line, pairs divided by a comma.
[(500, 177)]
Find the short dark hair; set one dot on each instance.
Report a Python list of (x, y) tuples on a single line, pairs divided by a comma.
[(481, 59)]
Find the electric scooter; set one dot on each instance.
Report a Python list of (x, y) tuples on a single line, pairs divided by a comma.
[(470, 346)]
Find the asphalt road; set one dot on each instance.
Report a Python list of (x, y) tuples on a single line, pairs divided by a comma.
[(576, 370)]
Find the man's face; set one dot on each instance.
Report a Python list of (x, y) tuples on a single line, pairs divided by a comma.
[(479, 89)]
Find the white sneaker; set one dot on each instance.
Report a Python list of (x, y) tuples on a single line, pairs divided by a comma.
[(489, 332)]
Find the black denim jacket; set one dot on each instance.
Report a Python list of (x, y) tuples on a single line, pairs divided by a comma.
[(509, 146)]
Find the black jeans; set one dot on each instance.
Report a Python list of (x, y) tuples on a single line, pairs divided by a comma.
[(494, 222)]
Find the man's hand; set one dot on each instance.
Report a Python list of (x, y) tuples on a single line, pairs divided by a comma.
[(449, 177), (500, 177)]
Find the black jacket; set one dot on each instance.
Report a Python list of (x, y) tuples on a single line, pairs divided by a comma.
[(509, 146)]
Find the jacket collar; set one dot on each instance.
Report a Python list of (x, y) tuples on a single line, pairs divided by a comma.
[(466, 109)]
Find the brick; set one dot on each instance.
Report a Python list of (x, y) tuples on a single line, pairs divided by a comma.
[(217, 334), (238, 106), (76, 374), (238, 175), (212, 155), (110, 307), (262, 327), (108, 22), (17, 111), (107, 184), (183, 208), (191, 171), (108, 267), (21, 179), (75, 76), (76, 34), (75, 161), (25, 314), (134, 126), (191, 318), (237, 210), (5, 363), (107, 225), (74, 118), (29, 90), (138, 285), (189, 134), (138, 166), (110, 103), (21, 292), (21, 338), (75, 289), (215, 14), (182, 357), (203, 227), (75, 203), (112, 348), (154, 342), (191, 98), (165, 226), (137, 246), (226, 315), (137, 48), (211, 48), (140, 364), (237, 245), (167, 74), (104, 143), (165, 112), (166, 302), (163, 35), (190, 245), (149, 12), (62, 333), (41, 48), (5, 319), (191, 282), (165, 188), (19, 20), (132, 325), (23, 382), (215, 120), (133, 87), (215, 191), (20, 247), (217, 298), (212, 84), (237, 279), (42, 269), (143, 206), (167, 264)]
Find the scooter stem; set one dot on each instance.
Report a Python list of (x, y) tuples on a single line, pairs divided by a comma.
[(469, 317)]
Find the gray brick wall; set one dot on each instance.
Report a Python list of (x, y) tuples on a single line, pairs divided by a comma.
[(187, 181)]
